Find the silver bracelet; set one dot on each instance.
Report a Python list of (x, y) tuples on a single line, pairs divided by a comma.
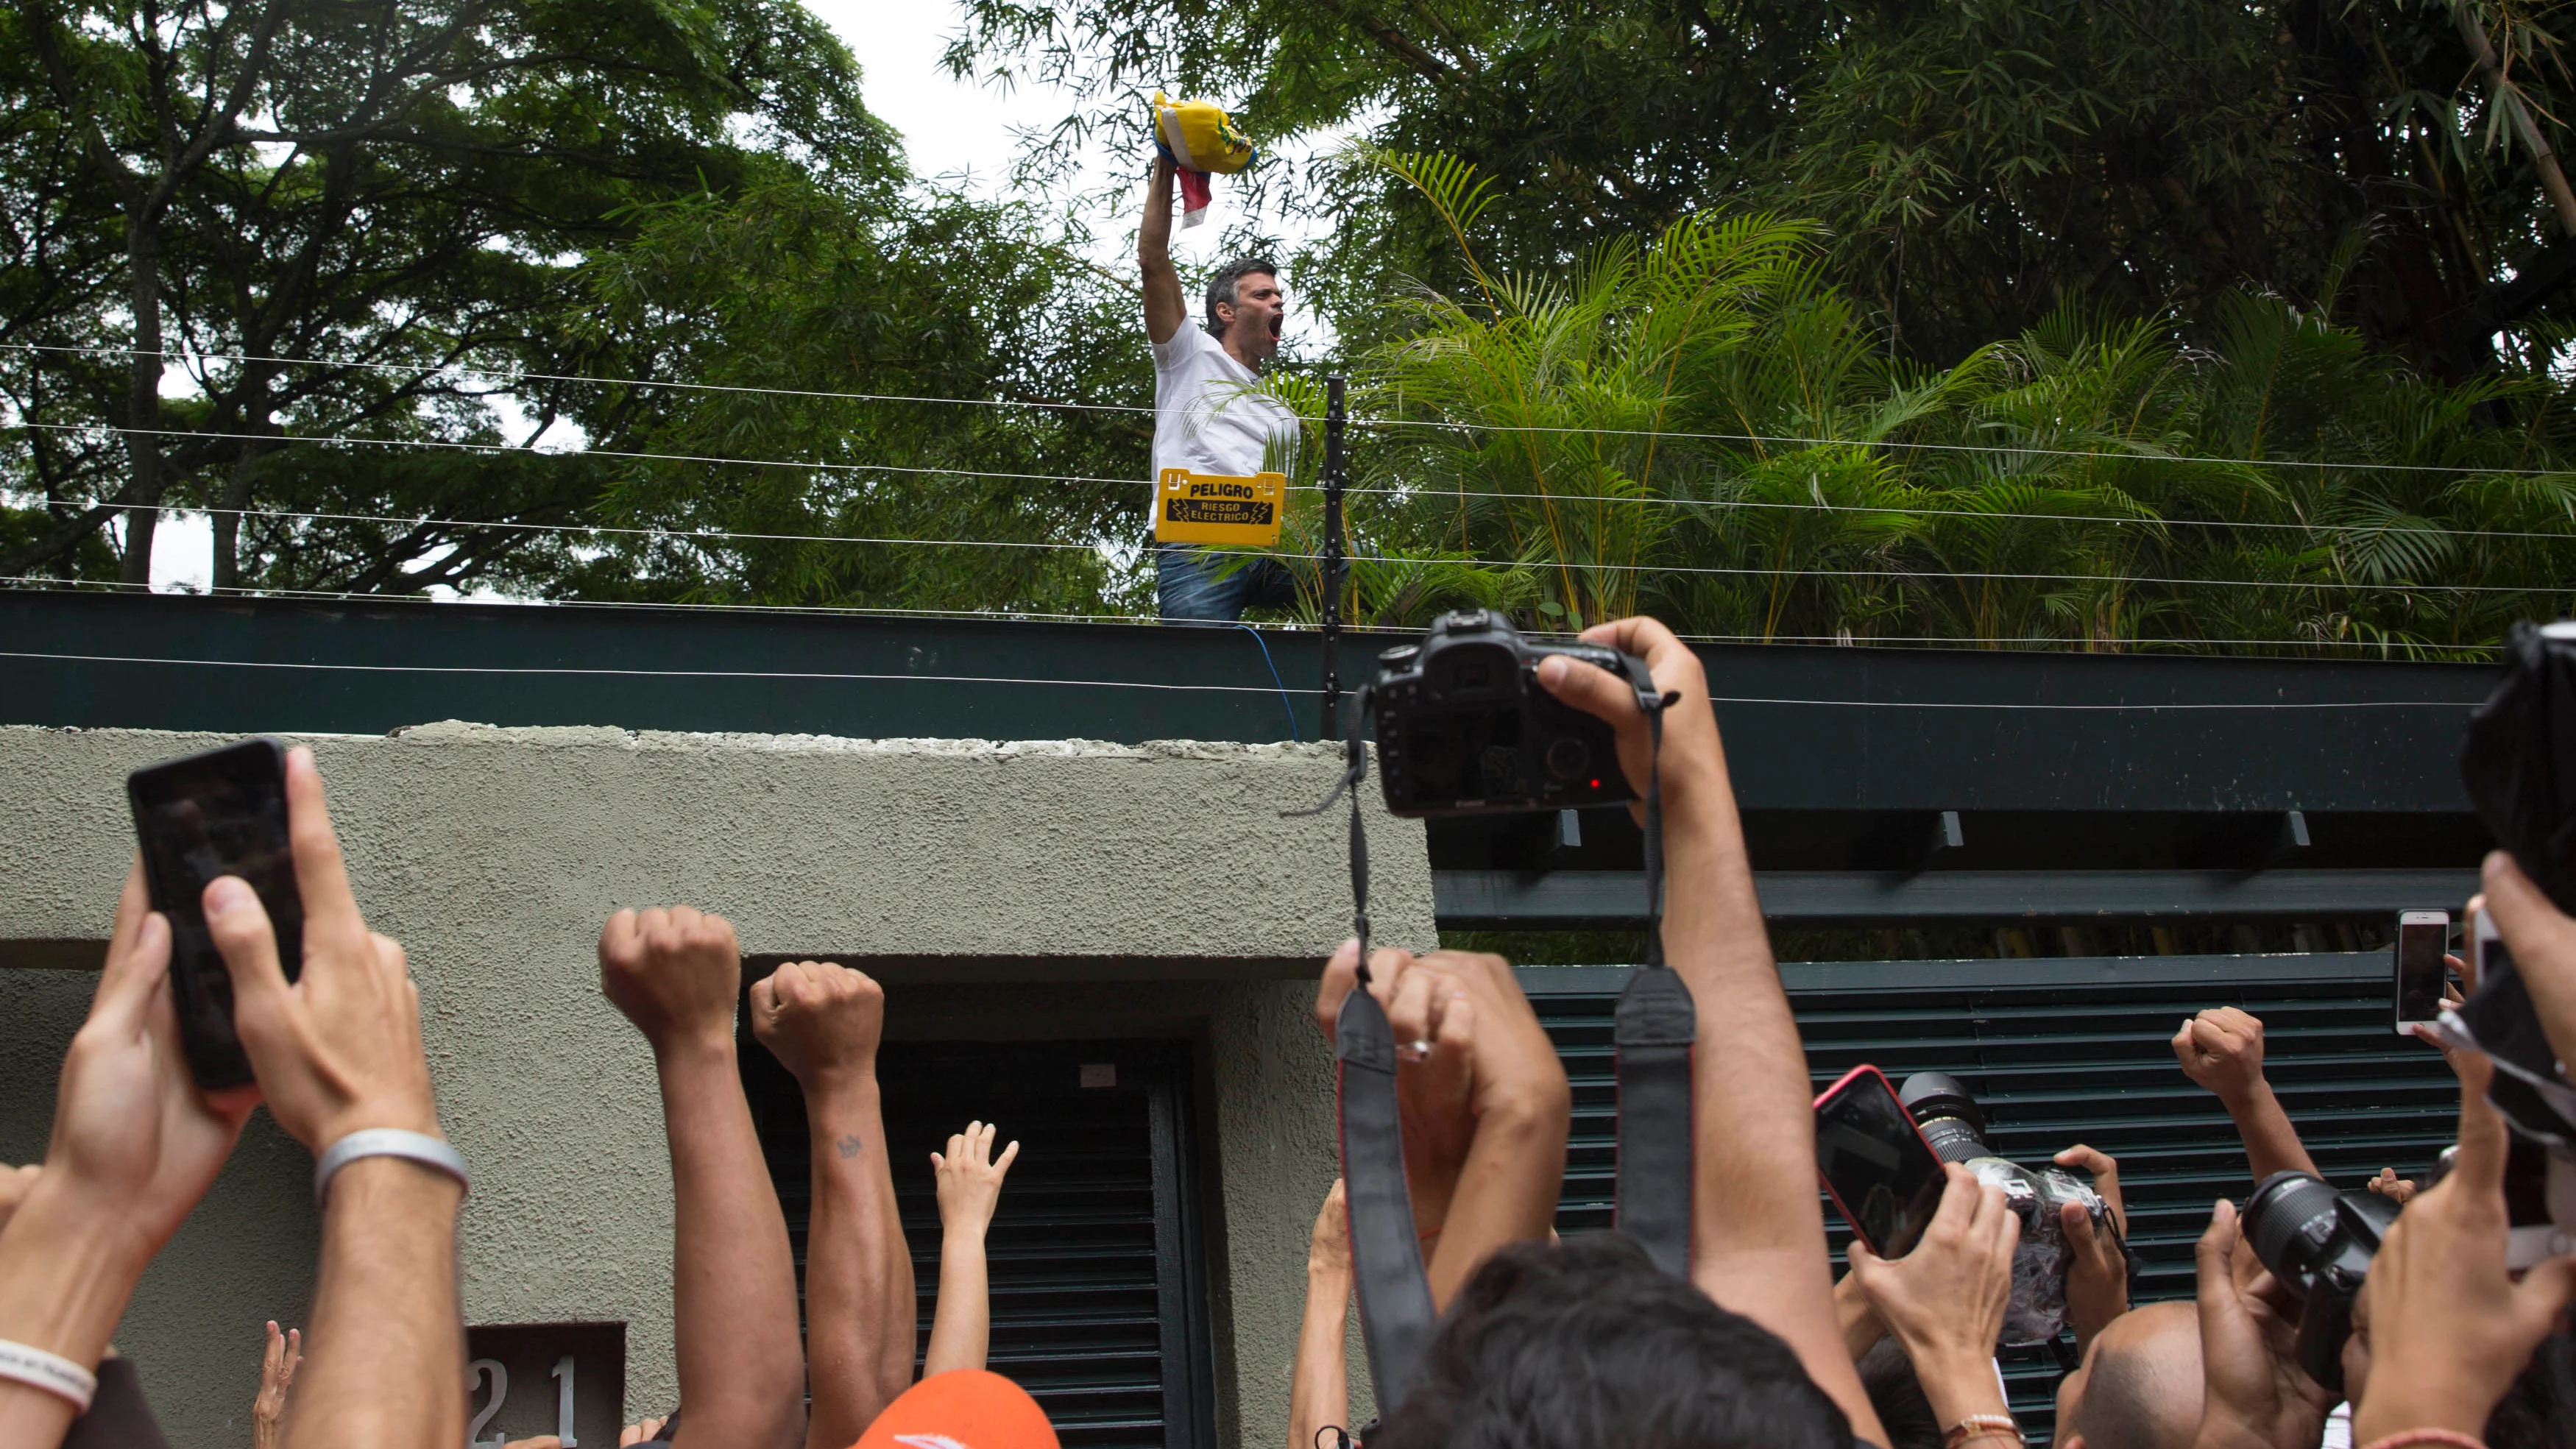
[(51, 1372), (418, 1147)]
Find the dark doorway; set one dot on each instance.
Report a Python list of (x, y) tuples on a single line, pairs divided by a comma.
[(1098, 1280)]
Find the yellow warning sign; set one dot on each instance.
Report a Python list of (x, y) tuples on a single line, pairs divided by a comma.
[(1208, 508)]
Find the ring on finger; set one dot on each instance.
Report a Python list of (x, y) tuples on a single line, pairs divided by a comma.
[(1416, 1050)]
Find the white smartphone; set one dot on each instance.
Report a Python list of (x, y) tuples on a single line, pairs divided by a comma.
[(2423, 938)]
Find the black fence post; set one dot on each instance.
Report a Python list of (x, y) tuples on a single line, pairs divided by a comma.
[(1332, 619)]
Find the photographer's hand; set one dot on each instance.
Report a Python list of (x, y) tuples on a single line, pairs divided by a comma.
[(2222, 1050), (2449, 1328), (1945, 1299), (1485, 1106), (2097, 1280), (1757, 1233), (2544, 948), (2253, 1395), (134, 1146)]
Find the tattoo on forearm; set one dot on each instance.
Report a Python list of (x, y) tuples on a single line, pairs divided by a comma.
[(851, 1145)]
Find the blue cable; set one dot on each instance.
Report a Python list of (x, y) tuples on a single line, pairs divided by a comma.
[(1276, 680)]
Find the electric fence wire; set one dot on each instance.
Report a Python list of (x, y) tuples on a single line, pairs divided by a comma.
[(1424, 494), (716, 535), (1791, 440), (2257, 706)]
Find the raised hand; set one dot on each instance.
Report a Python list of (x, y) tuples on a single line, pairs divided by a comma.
[(134, 1146), (970, 1178), (133, 1138), (338, 1049), (675, 972), (277, 1365), (2222, 1050), (821, 1020), (1484, 1099)]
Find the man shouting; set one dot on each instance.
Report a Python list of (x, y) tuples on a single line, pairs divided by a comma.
[(1209, 413)]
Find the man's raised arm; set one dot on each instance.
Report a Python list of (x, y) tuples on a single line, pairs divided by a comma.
[(1757, 1234), (1166, 311)]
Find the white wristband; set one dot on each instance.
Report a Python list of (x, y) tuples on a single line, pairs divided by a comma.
[(51, 1372), (418, 1147)]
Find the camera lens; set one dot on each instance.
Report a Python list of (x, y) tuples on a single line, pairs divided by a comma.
[(1568, 758), (2288, 1220)]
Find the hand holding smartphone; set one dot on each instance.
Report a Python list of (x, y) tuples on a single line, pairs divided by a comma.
[(1874, 1162), (201, 817), (2423, 941)]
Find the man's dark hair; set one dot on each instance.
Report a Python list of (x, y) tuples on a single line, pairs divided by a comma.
[(1584, 1345), (1221, 287), (1904, 1410)]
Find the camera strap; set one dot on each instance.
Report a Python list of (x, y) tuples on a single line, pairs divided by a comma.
[(1653, 1033), (1396, 1316)]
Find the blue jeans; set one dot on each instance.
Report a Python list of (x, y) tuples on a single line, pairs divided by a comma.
[(1187, 587)]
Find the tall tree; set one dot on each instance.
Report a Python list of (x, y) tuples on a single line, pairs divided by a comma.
[(1976, 165), (199, 194)]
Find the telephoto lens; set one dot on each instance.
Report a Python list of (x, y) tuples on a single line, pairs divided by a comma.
[(1955, 1127), (2319, 1243)]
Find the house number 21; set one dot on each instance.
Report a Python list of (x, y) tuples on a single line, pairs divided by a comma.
[(490, 1371)]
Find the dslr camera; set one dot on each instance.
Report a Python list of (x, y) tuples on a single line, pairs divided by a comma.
[(1955, 1127), (1465, 728), (2319, 1243)]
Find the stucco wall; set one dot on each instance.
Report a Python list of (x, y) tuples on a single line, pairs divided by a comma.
[(494, 855)]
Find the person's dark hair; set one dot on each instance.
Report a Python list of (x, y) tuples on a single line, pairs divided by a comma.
[(1904, 1410), (2539, 1410), (1583, 1344), (1222, 287)]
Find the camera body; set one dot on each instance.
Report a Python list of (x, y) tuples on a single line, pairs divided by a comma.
[(1465, 728), (2319, 1243), (1955, 1127)]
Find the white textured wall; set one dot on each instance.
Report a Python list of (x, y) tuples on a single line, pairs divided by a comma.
[(495, 854)]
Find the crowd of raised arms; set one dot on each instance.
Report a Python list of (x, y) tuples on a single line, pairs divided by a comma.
[(1542, 1343)]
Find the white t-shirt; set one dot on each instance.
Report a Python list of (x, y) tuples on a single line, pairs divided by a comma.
[(1207, 416)]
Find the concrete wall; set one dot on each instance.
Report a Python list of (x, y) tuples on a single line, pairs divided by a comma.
[(494, 855)]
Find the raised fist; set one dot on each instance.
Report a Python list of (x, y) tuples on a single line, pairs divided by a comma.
[(675, 973), (2222, 1049), (819, 1019)]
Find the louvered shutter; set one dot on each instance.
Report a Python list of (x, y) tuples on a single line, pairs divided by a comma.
[(1096, 1279)]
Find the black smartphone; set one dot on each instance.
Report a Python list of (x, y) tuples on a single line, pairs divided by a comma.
[(221, 812), (2423, 940), (1875, 1163)]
